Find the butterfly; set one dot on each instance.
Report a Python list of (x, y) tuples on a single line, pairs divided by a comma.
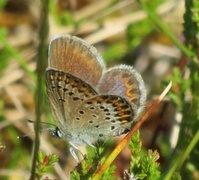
[(89, 102)]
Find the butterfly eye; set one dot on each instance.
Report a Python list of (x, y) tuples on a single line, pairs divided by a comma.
[(56, 133)]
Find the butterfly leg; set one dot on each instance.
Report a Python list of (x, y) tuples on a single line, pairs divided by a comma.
[(73, 150)]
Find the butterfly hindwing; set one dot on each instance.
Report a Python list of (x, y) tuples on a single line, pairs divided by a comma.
[(103, 116), (126, 82)]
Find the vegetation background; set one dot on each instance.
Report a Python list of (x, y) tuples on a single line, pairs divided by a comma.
[(160, 38)]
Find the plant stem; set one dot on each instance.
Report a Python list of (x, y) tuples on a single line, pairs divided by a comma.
[(43, 33)]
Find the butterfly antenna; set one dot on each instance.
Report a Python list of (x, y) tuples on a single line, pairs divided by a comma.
[(31, 121), (41, 130)]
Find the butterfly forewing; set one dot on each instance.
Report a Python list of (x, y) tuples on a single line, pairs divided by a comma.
[(66, 94), (75, 56)]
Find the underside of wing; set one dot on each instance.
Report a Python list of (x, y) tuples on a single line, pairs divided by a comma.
[(126, 82), (103, 116), (66, 93), (75, 56)]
